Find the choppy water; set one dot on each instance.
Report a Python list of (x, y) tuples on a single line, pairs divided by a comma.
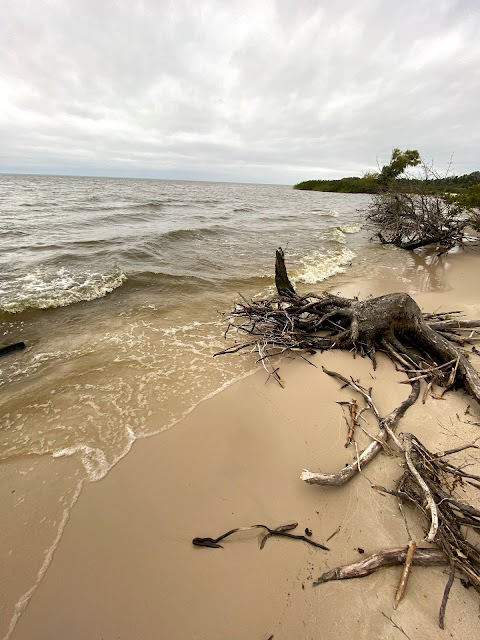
[(115, 285)]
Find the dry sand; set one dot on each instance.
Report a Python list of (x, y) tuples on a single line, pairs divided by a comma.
[(125, 566)]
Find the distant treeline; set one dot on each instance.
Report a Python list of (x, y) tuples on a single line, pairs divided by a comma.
[(371, 183), (344, 185)]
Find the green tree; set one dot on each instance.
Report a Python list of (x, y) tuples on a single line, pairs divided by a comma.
[(399, 161), (470, 198)]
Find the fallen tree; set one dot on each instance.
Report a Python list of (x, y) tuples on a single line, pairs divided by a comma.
[(429, 347), (410, 220), (413, 213)]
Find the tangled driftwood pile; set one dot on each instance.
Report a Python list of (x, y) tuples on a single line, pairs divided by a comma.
[(433, 348), (427, 346)]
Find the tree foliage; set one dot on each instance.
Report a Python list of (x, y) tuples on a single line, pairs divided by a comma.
[(344, 185), (399, 162)]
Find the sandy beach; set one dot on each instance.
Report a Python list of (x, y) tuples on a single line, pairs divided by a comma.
[(125, 566)]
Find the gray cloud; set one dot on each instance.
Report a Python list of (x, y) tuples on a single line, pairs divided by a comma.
[(271, 91)]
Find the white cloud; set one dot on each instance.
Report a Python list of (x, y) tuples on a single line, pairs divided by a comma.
[(267, 91)]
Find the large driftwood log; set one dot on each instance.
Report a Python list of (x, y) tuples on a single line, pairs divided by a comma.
[(8, 348), (423, 557)]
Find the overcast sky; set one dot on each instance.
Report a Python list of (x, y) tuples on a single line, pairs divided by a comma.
[(247, 91)]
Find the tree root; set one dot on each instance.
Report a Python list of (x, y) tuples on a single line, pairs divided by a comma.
[(428, 482), (393, 323)]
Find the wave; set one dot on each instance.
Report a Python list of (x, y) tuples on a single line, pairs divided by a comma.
[(90, 204), (37, 206), (191, 234), (337, 234), (320, 266), (331, 213), (153, 204), (185, 283), (43, 290), (94, 460)]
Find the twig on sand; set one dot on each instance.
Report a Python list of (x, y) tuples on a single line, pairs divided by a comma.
[(281, 531)]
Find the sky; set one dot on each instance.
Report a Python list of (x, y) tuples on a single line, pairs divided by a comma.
[(267, 91)]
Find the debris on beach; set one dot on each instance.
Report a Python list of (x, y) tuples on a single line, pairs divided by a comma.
[(431, 349), (281, 531)]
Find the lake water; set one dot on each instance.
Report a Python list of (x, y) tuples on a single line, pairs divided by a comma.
[(118, 287)]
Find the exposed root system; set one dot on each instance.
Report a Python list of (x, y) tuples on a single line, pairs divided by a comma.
[(430, 347)]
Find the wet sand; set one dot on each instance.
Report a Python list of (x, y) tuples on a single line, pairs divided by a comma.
[(125, 566)]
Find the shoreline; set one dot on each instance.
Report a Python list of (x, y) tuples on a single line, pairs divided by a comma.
[(125, 565)]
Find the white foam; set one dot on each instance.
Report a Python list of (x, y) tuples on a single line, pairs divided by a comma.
[(331, 213), (94, 459), (337, 235), (350, 228), (42, 290), (319, 266)]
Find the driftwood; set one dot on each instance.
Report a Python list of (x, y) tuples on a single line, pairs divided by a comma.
[(423, 557), (8, 348), (282, 531), (402, 585), (387, 426), (412, 220), (428, 345), (431, 483), (455, 521), (282, 281)]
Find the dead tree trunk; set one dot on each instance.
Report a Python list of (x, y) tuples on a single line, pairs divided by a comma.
[(282, 282)]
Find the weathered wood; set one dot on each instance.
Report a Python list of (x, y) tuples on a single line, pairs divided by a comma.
[(282, 281), (387, 426), (393, 323), (282, 531), (423, 557), (402, 585), (8, 348)]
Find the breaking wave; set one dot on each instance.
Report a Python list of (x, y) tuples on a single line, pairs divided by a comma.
[(337, 234), (319, 266), (43, 290)]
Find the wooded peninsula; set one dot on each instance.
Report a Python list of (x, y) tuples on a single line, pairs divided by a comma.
[(376, 182)]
